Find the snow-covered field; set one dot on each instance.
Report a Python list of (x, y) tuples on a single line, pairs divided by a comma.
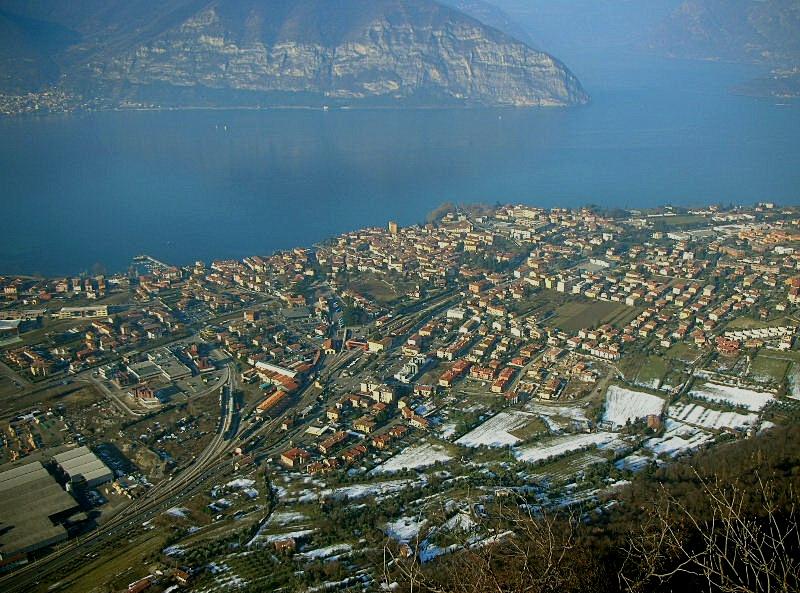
[(696, 414), (677, 439), (623, 405), (285, 518), (178, 512), (571, 412), (413, 457), (446, 431), (361, 490), (562, 445), (260, 538), (633, 462), (327, 551), (276, 537), (405, 529), (496, 431), (735, 396), (459, 522), (240, 483)]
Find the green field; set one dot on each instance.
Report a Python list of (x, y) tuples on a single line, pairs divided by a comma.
[(639, 368), (679, 221), (766, 368), (380, 289), (533, 428), (652, 370), (683, 352), (585, 314), (744, 322)]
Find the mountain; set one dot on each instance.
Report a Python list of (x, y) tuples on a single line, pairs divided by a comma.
[(260, 52), (492, 15), (766, 31), (26, 49)]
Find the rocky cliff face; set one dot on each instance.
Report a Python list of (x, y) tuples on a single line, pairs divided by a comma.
[(262, 51)]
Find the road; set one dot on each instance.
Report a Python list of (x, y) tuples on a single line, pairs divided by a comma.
[(115, 399), (208, 465), (155, 501)]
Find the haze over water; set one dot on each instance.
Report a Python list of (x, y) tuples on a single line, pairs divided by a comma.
[(81, 189)]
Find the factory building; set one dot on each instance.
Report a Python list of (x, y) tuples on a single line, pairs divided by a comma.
[(33, 508), (81, 465)]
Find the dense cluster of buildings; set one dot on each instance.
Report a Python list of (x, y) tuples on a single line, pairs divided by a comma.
[(534, 303)]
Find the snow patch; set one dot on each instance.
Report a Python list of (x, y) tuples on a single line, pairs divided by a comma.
[(413, 457), (177, 512), (286, 518), (679, 438), (735, 396), (562, 445), (276, 537), (240, 483), (623, 405), (405, 529), (496, 431), (713, 419)]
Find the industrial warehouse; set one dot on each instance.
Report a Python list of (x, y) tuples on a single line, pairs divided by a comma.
[(82, 466), (33, 507)]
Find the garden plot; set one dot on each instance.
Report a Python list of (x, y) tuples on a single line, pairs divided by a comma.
[(563, 445), (734, 396), (496, 431), (623, 405), (679, 438), (414, 457), (565, 469), (713, 419)]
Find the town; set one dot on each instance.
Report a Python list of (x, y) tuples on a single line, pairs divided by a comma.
[(277, 419)]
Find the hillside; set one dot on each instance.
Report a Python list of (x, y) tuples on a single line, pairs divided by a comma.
[(256, 52), (765, 31)]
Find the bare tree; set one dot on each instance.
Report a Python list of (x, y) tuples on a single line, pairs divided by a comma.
[(517, 552), (747, 541)]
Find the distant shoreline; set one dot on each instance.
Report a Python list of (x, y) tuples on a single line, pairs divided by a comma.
[(322, 108)]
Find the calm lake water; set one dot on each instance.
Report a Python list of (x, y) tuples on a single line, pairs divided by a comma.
[(100, 188)]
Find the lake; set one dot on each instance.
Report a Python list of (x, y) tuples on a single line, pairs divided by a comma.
[(184, 185)]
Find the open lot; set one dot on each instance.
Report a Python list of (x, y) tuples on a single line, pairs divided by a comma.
[(584, 313), (769, 368)]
